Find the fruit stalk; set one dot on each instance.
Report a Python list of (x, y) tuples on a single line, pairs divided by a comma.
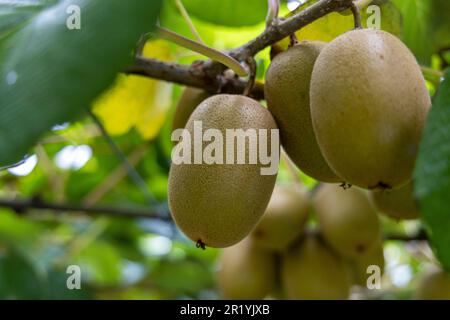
[(251, 81), (273, 10), (356, 15), (361, 4)]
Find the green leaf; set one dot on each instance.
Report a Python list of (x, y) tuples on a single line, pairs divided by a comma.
[(432, 173), (440, 23), (232, 13), (14, 13), (334, 24), (182, 278), (19, 277), (15, 230), (426, 26), (50, 74), (102, 263), (56, 287)]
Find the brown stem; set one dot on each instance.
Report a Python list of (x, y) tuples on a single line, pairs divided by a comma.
[(251, 81), (420, 236), (21, 206), (356, 15), (193, 76), (293, 40), (206, 74)]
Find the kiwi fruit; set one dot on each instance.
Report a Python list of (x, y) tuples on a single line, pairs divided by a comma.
[(287, 93), (369, 104), (217, 205), (398, 203), (189, 100), (284, 219), (374, 256), (347, 219), (434, 285), (312, 271), (246, 272)]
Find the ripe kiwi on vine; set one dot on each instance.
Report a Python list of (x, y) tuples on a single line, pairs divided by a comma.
[(217, 205), (369, 104), (287, 90)]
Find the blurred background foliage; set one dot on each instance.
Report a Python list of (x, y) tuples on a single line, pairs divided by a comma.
[(125, 258)]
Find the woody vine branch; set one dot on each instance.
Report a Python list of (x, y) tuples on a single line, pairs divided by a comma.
[(208, 74)]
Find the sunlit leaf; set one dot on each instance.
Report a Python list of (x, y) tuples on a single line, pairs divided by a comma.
[(332, 25), (136, 101)]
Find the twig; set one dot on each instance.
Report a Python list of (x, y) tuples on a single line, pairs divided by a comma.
[(23, 205), (420, 236), (188, 20), (133, 174), (206, 75), (293, 40), (432, 75), (114, 178), (283, 29), (211, 53), (193, 76), (251, 81), (357, 16)]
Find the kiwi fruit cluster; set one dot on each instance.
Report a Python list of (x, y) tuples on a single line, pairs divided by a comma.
[(365, 126), (350, 113), (307, 261)]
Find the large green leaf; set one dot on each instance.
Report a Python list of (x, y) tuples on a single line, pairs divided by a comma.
[(49, 73), (19, 277), (233, 13), (432, 173), (14, 13)]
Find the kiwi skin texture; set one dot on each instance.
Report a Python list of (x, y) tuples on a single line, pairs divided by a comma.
[(369, 104), (247, 272), (398, 204), (219, 204), (189, 100), (434, 285), (359, 265), (284, 219), (310, 271), (347, 219), (287, 93)]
